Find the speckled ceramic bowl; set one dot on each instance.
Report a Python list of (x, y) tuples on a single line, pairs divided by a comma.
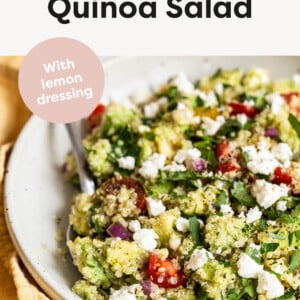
[(37, 198)]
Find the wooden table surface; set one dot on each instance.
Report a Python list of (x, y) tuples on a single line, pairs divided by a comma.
[(13, 116)]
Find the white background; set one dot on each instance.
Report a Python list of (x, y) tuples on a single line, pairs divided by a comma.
[(273, 29)]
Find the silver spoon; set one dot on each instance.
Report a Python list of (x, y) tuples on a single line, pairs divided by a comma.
[(87, 184)]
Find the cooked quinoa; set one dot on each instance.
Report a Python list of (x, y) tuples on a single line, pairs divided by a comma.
[(198, 193)]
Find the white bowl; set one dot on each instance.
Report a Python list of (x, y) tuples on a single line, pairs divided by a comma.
[(36, 195)]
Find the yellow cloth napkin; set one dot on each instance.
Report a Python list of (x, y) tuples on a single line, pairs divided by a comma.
[(15, 282)]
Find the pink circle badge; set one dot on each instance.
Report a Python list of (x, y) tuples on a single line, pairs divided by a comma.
[(61, 80)]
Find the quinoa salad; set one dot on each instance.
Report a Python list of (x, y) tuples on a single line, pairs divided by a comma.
[(198, 192)]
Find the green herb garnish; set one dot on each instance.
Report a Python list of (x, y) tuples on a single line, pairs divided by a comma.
[(173, 93), (268, 247), (172, 105), (230, 128), (216, 74), (263, 224), (249, 290), (295, 123), (199, 102), (294, 262), (195, 230), (276, 236), (150, 136), (254, 254), (221, 199), (291, 238), (287, 296), (94, 218), (287, 218), (161, 188), (297, 234), (240, 193), (249, 124)]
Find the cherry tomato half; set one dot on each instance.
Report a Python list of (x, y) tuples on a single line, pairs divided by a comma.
[(281, 177), (228, 167), (96, 116), (288, 96), (113, 186), (294, 107), (163, 272), (223, 151), (240, 108), (225, 156)]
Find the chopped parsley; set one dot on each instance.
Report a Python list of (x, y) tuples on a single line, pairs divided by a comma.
[(295, 123), (240, 193), (294, 262), (195, 230)]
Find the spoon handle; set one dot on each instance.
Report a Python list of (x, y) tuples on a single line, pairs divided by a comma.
[(87, 184)]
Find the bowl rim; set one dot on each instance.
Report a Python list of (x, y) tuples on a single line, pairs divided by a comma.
[(45, 283)]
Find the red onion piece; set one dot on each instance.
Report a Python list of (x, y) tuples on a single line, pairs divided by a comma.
[(118, 230), (146, 287), (199, 165), (272, 132)]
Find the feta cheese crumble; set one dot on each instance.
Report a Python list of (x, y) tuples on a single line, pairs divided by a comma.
[(211, 126), (282, 152), (209, 98), (182, 83), (181, 106), (127, 162), (153, 108), (154, 207), (241, 215), (134, 225), (247, 267), (184, 155), (264, 161), (267, 193), (148, 170), (182, 224), (143, 128), (125, 293), (146, 239), (158, 160), (253, 215), (198, 259), (281, 206), (174, 242), (219, 88), (226, 210), (296, 79), (263, 75), (174, 167), (261, 160), (271, 223), (152, 165), (141, 96), (196, 120), (269, 285), (249, 103), (276, 102), (242, 118)]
